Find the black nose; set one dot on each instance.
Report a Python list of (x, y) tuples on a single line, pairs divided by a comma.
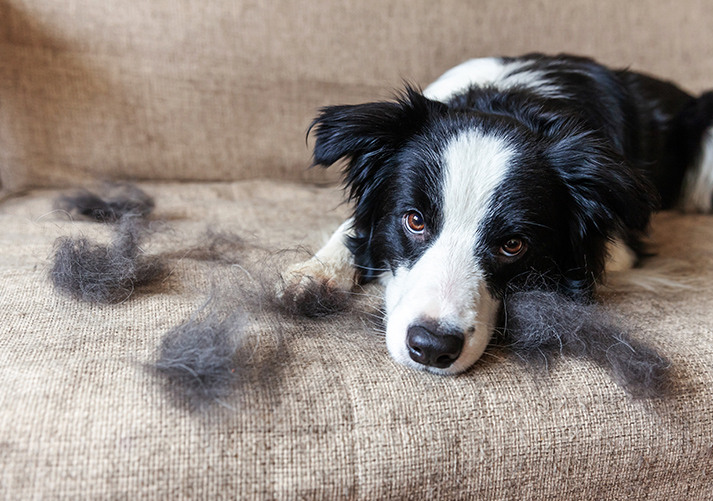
[(430, 347)]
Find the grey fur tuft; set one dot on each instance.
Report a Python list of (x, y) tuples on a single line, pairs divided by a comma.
[(317, 299), (97, 273), (199, 360), (118, 201), (539, 325)]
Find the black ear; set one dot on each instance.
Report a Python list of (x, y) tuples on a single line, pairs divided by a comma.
[(368, 135), (606, 198)]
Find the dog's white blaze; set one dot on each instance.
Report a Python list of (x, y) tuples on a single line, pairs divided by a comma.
[(493, 72), (698, 185), (447, 284)]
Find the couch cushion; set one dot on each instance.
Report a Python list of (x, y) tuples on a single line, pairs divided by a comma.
[(196, 90), (82, 415)]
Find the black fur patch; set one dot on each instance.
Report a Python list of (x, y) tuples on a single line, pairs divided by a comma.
[(540, 325)]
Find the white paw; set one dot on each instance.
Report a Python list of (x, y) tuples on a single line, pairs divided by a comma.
[(339, 276), (316, 288)]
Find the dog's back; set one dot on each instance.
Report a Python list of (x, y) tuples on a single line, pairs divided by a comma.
[(657, 126)]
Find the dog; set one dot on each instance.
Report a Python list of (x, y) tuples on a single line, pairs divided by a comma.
[(503, 173)]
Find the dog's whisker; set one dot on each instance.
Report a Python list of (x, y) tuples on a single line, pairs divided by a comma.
[(492, 355), (368, 268)]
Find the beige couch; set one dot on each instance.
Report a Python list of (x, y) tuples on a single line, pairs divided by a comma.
[(206, 103)]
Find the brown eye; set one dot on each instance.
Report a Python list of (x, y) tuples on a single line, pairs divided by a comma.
[(414, 223), (513, 247)]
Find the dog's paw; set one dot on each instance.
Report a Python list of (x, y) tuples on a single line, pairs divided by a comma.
[(316, 289)]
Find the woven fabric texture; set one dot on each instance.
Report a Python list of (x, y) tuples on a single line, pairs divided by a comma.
[(225, 90), (81, 416)]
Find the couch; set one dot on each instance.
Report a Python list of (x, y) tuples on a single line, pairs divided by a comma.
[(205, 104)]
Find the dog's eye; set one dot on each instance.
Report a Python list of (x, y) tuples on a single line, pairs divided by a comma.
[(414, 223), (513, 247)]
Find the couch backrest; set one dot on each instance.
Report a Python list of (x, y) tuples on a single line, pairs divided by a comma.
[(225, 89)]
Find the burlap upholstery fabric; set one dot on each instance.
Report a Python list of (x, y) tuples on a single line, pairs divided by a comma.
[(225, 90), (82, 417), (192, 90)]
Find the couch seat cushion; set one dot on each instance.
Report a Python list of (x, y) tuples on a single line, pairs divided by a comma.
[(83, 415)]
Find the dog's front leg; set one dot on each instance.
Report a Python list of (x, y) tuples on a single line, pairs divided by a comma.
[(332, 266)]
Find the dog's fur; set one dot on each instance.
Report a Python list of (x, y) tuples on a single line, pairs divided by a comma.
[(501, 170)]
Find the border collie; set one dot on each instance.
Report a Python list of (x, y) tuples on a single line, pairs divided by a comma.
[(502, 170)]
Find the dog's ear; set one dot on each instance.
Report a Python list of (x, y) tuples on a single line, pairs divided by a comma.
[(606, 198), (368, 135)]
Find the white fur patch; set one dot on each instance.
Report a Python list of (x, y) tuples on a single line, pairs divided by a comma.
[(490, 72), (447, 284), (698, 184)]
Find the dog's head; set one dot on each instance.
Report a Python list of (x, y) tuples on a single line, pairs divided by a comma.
[(453, 206)]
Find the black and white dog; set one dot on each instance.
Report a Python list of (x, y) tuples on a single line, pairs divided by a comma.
[(501, 170)]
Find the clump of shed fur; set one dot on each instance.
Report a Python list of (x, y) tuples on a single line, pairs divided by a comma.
[(117, 201), (312, 299), (542, 324), (200, 359), (205, 360), (99, 273)]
